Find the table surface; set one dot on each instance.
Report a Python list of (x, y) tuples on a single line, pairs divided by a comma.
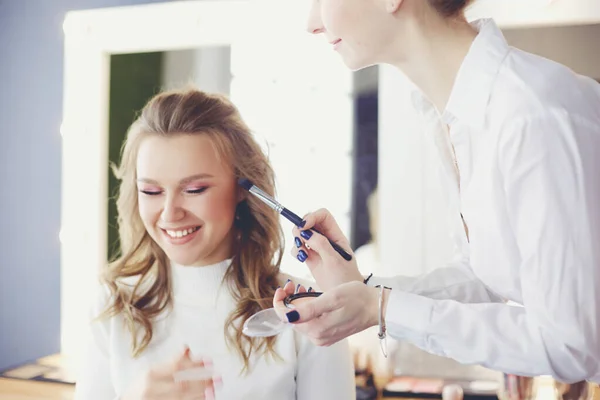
[(15, 389)]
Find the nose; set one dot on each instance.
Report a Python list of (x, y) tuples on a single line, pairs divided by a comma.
[(172, 209), (315, 24)]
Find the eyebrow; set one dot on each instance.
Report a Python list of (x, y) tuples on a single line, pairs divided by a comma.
[(182, 182)]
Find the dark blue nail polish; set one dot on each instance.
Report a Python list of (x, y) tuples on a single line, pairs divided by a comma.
[(309, 289), (306, 234), (302, 256), (297, 288), (302, 224), (298, 242), (288, 281), (278, 287), (293, 316)]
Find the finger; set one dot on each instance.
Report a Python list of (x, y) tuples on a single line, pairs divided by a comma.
[(317, 243), (298, 242), (184, 360), (309, 310), (325, 223), (300, 289), (289, 287), (279, 295), (278, 304), (209, 393), (300, 251)]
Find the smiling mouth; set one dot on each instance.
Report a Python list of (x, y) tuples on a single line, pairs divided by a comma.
[(177, 234)]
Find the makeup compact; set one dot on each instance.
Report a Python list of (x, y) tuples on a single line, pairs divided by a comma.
[(299, 298), (266, 323)]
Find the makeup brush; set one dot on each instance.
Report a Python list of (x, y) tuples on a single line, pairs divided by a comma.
[(289, 215)]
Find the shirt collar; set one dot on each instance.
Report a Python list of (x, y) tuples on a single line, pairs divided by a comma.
[(475, 79)]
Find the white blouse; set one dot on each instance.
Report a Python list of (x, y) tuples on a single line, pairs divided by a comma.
[(525, 134)]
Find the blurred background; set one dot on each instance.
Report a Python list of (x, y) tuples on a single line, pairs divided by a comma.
[(369, 162)]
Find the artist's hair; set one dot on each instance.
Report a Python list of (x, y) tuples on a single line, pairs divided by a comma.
[(450, 8), (258, 247)]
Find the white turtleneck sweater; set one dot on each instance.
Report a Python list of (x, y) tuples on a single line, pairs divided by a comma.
[(201, 306)]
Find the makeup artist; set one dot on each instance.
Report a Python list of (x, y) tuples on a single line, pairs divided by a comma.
[(519, 143)]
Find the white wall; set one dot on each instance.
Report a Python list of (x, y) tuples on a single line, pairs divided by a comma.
[(530, 13), (209, 68), (575, 46)]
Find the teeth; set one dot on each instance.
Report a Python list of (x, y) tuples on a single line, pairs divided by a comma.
[(180, 234)]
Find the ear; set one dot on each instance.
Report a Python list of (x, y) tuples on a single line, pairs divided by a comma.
[(392, 6), (242, 194)]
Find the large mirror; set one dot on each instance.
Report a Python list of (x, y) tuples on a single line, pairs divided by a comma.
[(305, 107)]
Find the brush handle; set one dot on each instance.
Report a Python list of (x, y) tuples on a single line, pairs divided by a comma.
[(296, 220)]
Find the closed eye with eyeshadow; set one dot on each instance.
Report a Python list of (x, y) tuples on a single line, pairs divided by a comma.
[(195, 190)]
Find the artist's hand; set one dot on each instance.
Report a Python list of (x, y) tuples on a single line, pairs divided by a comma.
[(336, 314), (327, 267), (159, 382)]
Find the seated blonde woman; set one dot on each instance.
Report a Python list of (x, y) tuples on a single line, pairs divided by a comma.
[(199, 257)]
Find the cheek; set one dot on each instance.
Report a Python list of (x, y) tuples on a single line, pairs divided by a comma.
[(338, 18), (219, 209), (148, 211)]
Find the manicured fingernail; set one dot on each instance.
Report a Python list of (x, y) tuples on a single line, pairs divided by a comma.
[(309, 289), (302, 224), (306, 234), (293, 316), (288, 281), (278, 287), (302, 256), (297, 288), (298, 242)]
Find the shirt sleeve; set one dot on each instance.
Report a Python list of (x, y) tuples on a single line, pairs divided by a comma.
[(94, 375), (324, 373), (455, 281), (551, 170)]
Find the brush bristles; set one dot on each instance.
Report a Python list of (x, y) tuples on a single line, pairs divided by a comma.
[(245, 183)]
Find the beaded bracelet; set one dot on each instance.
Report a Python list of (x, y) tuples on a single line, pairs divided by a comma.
[(382, 334)]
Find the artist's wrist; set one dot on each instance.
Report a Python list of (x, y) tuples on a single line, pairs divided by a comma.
[(373, 306), (386, 296)]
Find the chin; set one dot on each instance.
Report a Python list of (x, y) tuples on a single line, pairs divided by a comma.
[(357, 64), (184, 258)]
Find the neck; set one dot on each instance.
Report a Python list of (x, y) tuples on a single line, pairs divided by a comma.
[(432, 61)]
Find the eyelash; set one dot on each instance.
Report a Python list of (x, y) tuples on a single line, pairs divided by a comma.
[(149, 193), (190, 191), (197, 191)]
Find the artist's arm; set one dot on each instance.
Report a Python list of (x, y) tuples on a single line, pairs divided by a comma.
[(455, 281)]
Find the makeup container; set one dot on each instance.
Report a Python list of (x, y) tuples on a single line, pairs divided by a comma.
[(515, 387)]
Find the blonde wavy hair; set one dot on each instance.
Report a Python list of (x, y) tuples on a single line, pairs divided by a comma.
[(258, 248)]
